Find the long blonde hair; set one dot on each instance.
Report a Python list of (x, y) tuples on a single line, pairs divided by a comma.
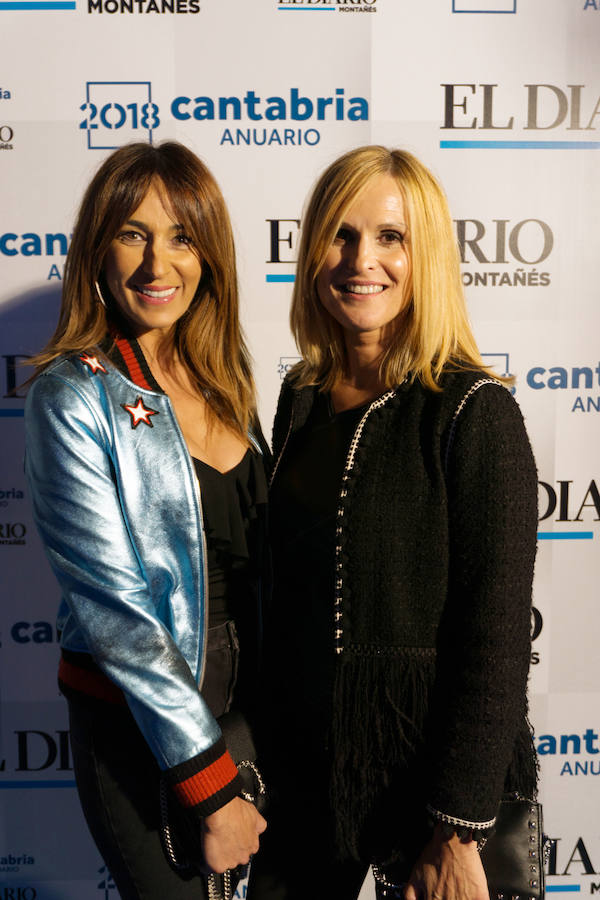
[(435, 332), (208, 337)]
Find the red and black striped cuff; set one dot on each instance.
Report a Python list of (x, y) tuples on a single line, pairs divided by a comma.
[(205, 783), (88, 680), (208, 781)]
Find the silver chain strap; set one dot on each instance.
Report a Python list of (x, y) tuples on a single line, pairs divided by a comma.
[(166, 830), (385, 887), (215, 892), (260, 785)]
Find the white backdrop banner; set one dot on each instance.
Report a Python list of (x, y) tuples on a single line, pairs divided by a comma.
[(501, 99)]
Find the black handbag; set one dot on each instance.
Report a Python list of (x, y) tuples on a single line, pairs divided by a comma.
[(240, 743), (512, 856)]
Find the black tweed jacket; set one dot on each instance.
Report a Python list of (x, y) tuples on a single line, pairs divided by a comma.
[(436, 539)]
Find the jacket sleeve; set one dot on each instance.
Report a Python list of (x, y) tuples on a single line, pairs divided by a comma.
[(71, 475), (479, 704)]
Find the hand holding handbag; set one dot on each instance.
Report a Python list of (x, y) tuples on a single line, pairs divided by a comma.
[(240, 743), (512, 856)]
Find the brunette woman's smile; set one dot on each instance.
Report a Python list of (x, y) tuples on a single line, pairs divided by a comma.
[(151, 268)]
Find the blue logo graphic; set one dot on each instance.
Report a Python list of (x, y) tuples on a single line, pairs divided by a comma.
[(280, 279), (37, 4), (520, 145), (484, 6), (10, 494), (285, 364), (542, 102), (106, 884), (117, 112), (352, 6), (498, 362)]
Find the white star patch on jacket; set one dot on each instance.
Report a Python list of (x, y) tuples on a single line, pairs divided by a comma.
[(139, 413), (93, 362)]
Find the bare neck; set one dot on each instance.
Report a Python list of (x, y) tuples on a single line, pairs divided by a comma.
[(361, 381)]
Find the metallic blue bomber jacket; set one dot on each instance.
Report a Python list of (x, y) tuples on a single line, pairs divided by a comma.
[(117, 504)]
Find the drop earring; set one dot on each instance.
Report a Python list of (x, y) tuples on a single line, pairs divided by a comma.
[(99, 292)]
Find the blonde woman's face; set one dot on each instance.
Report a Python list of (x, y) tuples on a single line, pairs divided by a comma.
[(365, 281), (151, 267)]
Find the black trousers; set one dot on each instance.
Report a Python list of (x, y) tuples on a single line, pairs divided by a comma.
[(118, 781), (297, 859), (294, 863)]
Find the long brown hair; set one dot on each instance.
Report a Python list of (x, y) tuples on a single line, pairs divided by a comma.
[(435, 331), (208, 337)]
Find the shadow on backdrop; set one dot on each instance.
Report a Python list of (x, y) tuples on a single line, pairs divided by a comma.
[(27, 322)]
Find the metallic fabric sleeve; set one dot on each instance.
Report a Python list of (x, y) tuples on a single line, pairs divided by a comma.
[(118, 512)]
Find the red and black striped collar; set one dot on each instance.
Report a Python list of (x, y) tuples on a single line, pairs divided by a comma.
[(126, 354)]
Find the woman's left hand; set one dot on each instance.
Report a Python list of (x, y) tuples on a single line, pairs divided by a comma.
[(448, 869)]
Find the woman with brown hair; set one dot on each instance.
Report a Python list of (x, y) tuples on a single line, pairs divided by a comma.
[(403, 521), (145, 464)]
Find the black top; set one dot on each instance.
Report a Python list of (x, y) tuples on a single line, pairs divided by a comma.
[(306, 489), (229, 508), (303, 504)]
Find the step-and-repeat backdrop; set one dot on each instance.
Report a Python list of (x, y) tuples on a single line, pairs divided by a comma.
[(501, 98)]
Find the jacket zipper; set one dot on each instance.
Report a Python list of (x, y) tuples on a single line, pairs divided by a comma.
[(338, 632)]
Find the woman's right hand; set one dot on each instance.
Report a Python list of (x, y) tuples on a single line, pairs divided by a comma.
[(448, 869), (231, 835)]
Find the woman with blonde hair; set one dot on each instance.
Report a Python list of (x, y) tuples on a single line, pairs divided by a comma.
[(145, 464), (403, 520)]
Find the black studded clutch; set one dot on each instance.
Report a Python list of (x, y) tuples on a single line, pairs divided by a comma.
[(513, 855)]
